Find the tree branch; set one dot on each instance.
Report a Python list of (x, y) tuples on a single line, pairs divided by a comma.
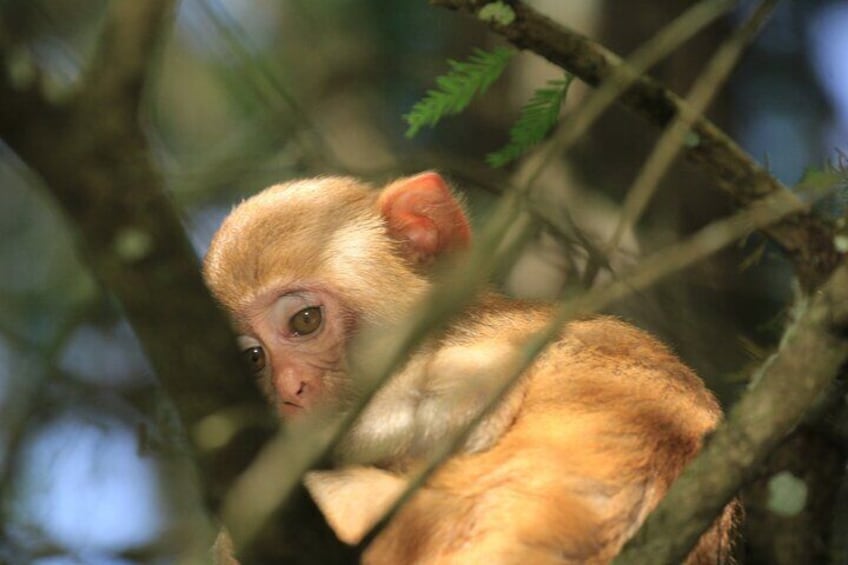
[(93, 157), (673, 139), (813, 350), (806, 238), (129, 37)]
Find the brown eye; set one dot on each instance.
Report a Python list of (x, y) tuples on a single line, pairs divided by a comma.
[(254, 357), (306, 321)]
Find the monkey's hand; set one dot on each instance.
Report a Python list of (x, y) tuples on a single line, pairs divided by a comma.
[(353, 499)]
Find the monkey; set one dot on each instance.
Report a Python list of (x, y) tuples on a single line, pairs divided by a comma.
[(566, 467)]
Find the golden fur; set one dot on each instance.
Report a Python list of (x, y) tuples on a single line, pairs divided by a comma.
[(564, 471)]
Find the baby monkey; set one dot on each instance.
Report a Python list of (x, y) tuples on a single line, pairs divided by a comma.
[(563, 471)]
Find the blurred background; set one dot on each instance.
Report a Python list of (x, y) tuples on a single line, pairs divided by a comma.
[(250, 93)]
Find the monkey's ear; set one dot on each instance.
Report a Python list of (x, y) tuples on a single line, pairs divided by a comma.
[(423, 214)]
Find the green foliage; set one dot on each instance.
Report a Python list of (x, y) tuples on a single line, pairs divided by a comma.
[(458, 87), (537, 118)]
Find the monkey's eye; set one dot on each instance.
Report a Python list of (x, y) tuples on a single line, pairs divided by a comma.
[(254, 357), (306, 321)]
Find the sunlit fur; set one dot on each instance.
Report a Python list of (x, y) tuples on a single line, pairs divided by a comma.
[(322, 231), (563, 472), (607, 420)]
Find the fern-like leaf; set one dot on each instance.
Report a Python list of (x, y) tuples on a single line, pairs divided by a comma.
[(457, 88), (537, 118)]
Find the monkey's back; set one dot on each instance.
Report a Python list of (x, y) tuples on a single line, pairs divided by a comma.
[(609, 418)]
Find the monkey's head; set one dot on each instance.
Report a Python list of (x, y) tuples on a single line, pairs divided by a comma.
[(300, 266)]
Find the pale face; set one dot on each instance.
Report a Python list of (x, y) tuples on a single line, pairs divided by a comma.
[(301, 265), (293, 340)]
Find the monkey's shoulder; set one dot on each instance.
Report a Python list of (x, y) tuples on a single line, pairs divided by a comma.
[(594, 357), (498, 317), (513, 319), (606, 361)]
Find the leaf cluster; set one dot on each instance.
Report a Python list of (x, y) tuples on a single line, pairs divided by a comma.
[(467, 79), (457, 88), (537, 118)]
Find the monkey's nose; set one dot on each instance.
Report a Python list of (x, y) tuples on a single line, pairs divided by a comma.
[(291, 389)]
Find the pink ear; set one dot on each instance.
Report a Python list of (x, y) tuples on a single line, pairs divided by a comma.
[(421, 212)]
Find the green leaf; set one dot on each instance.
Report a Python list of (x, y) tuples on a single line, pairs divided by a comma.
[(457, 88), (537, 118)]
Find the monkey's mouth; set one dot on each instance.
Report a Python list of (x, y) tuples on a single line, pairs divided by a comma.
[(289, 408)]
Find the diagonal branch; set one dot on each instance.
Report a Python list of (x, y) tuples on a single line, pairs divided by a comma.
[(814, 348), (92, 155), (805, 237), (673, 138), (704, 243)]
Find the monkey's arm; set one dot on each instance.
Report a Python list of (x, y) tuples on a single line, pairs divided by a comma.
[(608, 419), (522, 501)]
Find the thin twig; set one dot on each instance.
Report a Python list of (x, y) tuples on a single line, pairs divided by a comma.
[(805, 237), (673, 138), (663, 263), (91, 153), (237, 38), (813, 350), (665, 41), (288, 456)]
